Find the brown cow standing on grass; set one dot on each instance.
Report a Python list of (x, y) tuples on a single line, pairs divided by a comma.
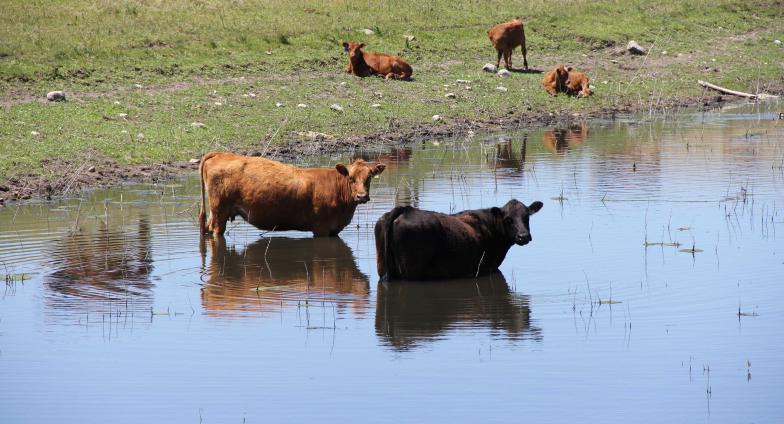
[(413, 244), (364, 64), (274, 196), (554, 80), (505, 37), (577, 84)]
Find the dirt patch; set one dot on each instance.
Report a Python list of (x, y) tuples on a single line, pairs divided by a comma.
[(62, 178)]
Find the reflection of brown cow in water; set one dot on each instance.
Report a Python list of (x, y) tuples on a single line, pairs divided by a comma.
[(409, 314), (271, 271), (558, 140), (91, 270)]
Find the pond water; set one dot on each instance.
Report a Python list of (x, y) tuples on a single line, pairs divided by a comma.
[(652, 292)]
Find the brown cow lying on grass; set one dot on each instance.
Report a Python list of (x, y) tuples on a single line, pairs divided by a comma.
[(505, 37), (364, 64), (274, 196), (412, 244), (555, 80), (577, 84)]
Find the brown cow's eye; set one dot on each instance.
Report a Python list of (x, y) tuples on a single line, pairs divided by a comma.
[(351, 179)]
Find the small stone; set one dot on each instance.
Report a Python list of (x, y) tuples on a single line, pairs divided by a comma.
[(138, 86), (436, 117), (777, 41), (117, 102), (35, 133), (604, 82), (502, 89), (450, 95), (123, 115), (367, 31), (198, 125), (193, 161), (635, 48), (269, 52), (468, 87), (336, 107), (302, 105), (91, 169), (343, 83), (218, 104), (462, 81), (375, 105), (409, 37), (124, 132), (55, 96), (140, 136), (664, 53), (278, 104), (504, 73), (379, 94), (489, 67), (251, 95), (446, 85)]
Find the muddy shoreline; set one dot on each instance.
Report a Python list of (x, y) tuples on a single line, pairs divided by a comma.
[(65, 178)]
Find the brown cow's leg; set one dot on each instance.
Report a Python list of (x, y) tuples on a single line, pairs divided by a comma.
[(217, 222), (508, 58), (525, 58), (498, 60)]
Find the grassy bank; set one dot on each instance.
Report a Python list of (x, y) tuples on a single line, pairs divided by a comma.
[(139, 74)]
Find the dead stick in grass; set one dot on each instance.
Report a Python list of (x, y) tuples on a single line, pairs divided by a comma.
[(760, 96)]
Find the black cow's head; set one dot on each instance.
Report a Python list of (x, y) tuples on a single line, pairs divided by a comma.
[(359, 176), (515, 216)]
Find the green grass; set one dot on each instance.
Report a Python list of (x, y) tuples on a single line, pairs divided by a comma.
[(189, 55)]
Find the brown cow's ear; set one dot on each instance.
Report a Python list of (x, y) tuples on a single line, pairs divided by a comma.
[(361, 45), (345, 46), (568, 69), (342, 170), (379, 168), (535, 207)]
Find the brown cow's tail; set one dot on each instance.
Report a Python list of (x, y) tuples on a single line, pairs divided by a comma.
[(388, 258), (203, 209)]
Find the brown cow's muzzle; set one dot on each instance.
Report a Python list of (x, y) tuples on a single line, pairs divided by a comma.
[(361, 198)]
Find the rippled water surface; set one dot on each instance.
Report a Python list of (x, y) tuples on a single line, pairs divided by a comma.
[(652, 292)]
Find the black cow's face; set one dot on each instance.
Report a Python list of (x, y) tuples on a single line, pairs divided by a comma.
[(359, 176), (515, 217)]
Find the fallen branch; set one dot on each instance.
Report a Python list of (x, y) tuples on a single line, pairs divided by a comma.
[(760, 96)]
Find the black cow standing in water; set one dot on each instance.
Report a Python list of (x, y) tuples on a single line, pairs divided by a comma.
[(412, 244)]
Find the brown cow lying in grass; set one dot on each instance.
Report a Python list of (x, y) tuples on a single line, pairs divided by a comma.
[(555, 80), (505, 37), (364, 64), (577, 84), (412, 244), (274, 196)]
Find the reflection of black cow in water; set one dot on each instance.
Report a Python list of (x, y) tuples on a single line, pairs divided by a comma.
[(411, 313), (271, 271), (93, 269), (558, 140)]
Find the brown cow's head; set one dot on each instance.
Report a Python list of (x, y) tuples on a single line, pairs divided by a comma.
[(515, 217), (359, 175), (561, 77), (354, 48)]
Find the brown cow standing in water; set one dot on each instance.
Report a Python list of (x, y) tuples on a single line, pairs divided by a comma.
[(364, 64), (554, 80), (413, 244), (505, 37), (274, 196)]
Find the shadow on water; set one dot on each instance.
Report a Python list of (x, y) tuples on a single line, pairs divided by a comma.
[(272, 273), (409, 314), (101, 270)]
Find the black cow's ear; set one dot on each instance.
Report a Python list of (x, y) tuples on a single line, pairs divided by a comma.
[(535, 207), (379, 168), (497, 212), (342, 170)]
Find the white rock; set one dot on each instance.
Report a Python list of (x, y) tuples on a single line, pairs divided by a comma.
[(35, 133), (379, 94), (218, 104), (446, 85), (489, 67), (198, 125), (245, 95), (278, 104), (302, 105), (635, 48), (461, 81), (123, 115), (470, 133), (664, 53), (604, 82), (504, 73), (375, 105), (252, 95), (367, 31), (502, 89), (117, 102), (450, 95), (468, 87), (336, 107), (193, 161), (409, 37), (436, 117), (124, 132), (343, 83), (140, 136), (777, 41), (138, 86), (55, 96)]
